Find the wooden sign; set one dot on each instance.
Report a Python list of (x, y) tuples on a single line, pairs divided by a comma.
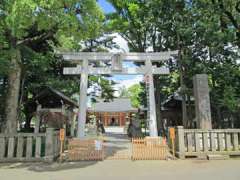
[(98, 145), (172, 133), (117, 62), (61, 137), (62, 134)]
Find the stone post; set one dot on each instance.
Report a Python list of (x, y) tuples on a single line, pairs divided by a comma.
[(38, 119), (180, 146), (49, 149), (73, 123), (202, 101)]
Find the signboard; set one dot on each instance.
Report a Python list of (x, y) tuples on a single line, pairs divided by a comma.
[(172, 133), (62, 134), (98, 145)]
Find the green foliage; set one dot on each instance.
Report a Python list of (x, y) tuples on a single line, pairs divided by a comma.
[(230, 99), (4, 63), (134, 93), (102, 85), (123, 92), (205, 32), (21, 15), (38, 28)]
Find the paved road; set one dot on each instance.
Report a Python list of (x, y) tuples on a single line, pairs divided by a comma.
[(117, 146), (125, 170)]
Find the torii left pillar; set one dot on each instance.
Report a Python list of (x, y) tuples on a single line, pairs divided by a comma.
[(83, 100)]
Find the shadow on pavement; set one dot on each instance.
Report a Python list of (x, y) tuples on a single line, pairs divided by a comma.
[(46, 167)]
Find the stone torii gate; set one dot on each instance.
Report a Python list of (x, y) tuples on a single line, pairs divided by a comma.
[(83, 68)]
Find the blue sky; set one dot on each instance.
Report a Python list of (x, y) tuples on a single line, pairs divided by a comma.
[(106, 6), (122, 80)]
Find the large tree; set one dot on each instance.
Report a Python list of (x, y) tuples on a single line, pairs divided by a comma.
[(28, 23), (206, 33)]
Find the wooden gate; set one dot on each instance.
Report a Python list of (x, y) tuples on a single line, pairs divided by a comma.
[(149, 148), (85, 150)]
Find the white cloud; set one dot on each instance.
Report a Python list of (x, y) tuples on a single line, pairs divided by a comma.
[(135, 79), (122, 43)]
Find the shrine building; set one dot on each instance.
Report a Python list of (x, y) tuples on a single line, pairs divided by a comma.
[(114, 113)]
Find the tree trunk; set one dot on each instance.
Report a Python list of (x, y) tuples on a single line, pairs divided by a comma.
[(219, 118), (14, 80), (158, 104), (184, 111), (183, 89), (27, 125)]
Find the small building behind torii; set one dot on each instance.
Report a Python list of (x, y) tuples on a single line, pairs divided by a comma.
[(55, 110)]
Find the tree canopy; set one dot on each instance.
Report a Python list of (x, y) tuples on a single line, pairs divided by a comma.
[(206, 33), (133, 93), (30, 32)]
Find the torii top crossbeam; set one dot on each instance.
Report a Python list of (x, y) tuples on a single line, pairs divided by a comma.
[(116, 67), (116, 62), (104, 56)]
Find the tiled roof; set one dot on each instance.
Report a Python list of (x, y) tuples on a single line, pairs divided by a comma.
[(117, 105)]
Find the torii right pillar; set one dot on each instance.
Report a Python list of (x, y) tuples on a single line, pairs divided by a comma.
[(202, 101)]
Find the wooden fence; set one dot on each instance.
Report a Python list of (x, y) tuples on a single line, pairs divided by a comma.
[(85, 150), (149, 149), (26, 147), (196, 142)]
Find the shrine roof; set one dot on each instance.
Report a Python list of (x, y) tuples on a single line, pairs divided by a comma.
[(116, 105), (174, 101), (52, 98)]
